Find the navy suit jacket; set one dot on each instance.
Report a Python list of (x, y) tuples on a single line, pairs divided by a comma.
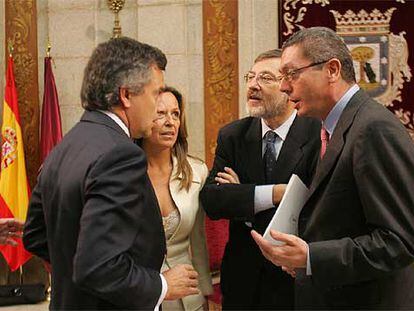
[(94, 216)]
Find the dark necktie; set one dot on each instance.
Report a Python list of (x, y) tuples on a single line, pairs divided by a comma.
[(324, 141), (269, 157)]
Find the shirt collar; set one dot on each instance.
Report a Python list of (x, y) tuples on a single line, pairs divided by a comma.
[(118, 121), (332, 119), (283, 129)]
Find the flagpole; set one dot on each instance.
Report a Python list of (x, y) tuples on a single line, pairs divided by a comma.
[(49, 47), (10, 47)]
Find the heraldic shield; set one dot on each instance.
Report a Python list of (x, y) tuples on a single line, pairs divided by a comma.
[(379, 68), (370, 55)]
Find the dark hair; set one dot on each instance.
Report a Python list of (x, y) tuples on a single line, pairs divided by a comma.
[(321, 44), (180, 148), (275, 53), (119, 62)]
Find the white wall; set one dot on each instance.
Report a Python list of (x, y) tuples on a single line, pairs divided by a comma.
[(258, 32), (75, 27)]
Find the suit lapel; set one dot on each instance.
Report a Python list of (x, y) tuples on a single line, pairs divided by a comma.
[(291, 152), (255, 169), (337, 141), (174, 186)]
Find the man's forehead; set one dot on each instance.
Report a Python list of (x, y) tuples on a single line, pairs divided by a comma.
[(291, 56), (269, 64)]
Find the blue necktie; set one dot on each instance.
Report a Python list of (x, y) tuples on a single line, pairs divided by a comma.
[(269, 157)]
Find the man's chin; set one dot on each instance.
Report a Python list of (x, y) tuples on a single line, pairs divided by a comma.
[(256, 112)]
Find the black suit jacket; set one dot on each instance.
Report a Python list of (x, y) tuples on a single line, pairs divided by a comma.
[(248, 280), (94, 216), (359, 219)]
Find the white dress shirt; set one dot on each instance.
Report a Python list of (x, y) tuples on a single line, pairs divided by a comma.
[(263, 194)]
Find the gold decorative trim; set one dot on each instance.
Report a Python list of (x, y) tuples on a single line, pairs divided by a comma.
[(363, 22), (21, 31), (292, 21), (399, 69), (221, 68)]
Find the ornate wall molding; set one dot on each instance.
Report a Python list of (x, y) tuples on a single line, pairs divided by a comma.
[(220, 44), (21, 31)]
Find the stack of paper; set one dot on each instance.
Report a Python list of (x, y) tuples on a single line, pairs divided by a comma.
[(287, 214)]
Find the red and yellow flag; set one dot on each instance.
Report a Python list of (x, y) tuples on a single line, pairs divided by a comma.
[(14, 188)]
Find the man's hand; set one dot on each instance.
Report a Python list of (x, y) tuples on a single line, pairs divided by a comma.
[(10, 228), (278, 192), (293, 254), (182, 281), (227, 177)]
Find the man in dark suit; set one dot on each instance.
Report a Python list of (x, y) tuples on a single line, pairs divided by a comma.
[(93, 214), (247, 182), (356, 245)]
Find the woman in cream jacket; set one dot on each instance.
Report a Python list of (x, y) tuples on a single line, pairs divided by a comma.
[(177, 179)]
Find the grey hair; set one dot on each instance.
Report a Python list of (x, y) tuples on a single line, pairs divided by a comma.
[(321, 44), (120, 62), (275, 53)]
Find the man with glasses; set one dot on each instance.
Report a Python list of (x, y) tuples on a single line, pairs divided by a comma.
[(356, 245), (255, 158)]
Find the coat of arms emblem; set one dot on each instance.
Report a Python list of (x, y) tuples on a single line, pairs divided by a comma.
[(380, 57), (8, 148)]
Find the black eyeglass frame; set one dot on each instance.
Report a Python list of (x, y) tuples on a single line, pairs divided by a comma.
[(288, 76)]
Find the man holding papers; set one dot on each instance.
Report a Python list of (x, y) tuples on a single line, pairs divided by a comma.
[(356, 245), (263, 149)]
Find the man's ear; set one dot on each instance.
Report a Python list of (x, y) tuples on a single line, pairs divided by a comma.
[(124, 97), (334, 68)]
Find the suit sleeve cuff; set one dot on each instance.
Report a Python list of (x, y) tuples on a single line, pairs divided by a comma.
[(263, 198), (163, 292)]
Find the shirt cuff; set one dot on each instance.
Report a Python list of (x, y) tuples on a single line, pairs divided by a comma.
[(163, 292), (263, 198), (308, 265)]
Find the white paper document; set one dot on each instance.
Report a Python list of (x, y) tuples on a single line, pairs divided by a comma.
[(287, 214)]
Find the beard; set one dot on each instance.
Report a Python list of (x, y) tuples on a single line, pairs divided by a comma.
[(271, 107)]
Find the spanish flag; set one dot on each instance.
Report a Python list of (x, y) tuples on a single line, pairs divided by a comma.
[(14, 188)]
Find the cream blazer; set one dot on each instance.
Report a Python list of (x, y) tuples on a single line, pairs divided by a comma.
[(188, 243)]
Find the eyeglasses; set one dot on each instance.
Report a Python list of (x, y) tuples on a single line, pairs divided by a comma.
[(292, 74), (262, 78)]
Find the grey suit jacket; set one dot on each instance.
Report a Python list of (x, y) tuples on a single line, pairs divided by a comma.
[(359, 219)]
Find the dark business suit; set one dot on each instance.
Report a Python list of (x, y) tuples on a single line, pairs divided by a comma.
[(359, 219), (94, 216), (248, 280)]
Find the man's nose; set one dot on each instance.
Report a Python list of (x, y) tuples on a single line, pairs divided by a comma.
[(253, 84), (284, 86)]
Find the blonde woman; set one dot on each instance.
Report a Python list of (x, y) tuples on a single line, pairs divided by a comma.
[(177, 179)]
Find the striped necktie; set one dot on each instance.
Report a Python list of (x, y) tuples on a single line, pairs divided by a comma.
[(269, 155)]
